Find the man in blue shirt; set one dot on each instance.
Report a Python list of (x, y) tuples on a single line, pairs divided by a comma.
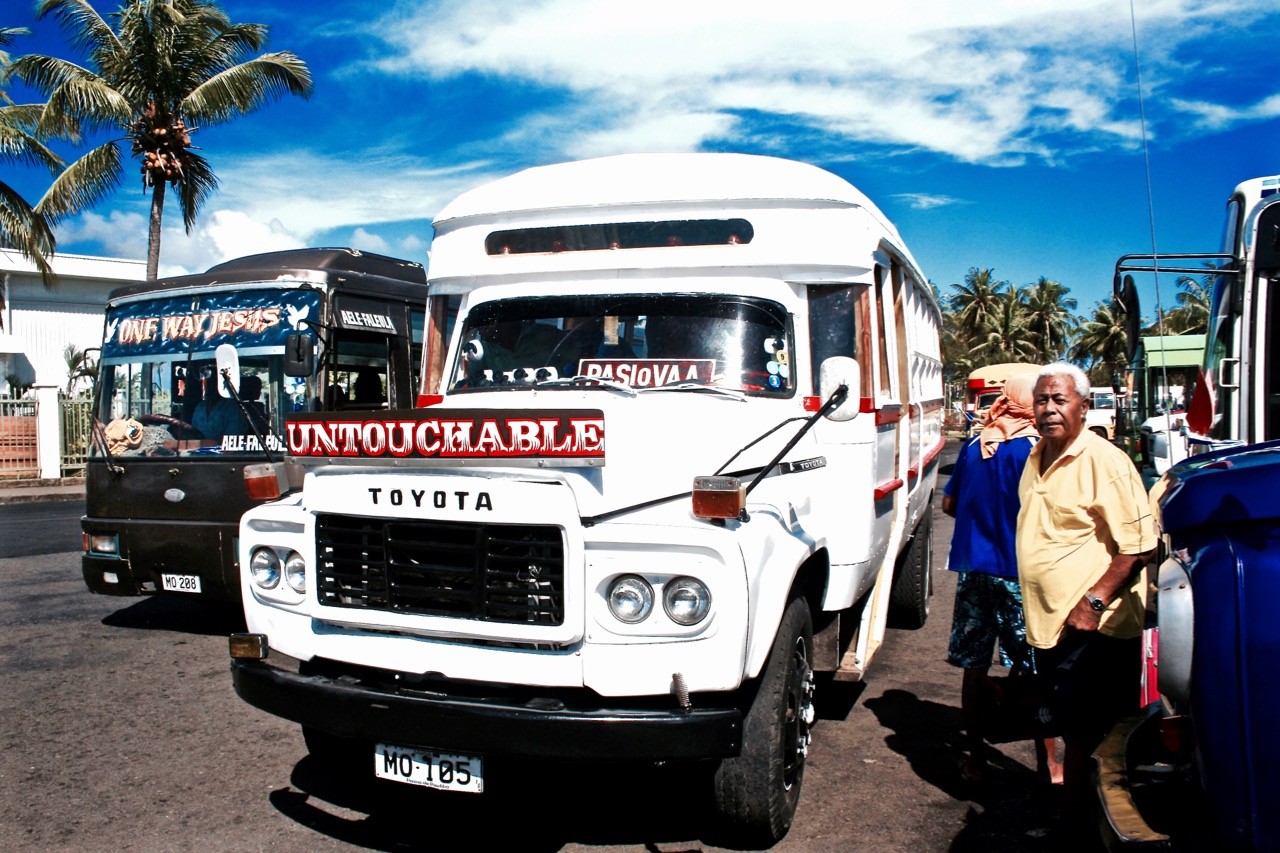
[(982, 495)]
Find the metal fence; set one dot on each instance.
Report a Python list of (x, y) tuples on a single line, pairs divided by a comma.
[(77, 421), (19, 439)]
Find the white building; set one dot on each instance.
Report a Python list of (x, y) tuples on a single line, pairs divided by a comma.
[(36, 323)]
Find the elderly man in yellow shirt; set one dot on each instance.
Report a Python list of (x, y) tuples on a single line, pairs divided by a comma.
[(1084, 533)]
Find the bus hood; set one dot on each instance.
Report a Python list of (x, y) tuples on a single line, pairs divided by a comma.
[(613, 450)]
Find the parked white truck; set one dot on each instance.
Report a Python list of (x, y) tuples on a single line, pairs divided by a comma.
[(682, 459)]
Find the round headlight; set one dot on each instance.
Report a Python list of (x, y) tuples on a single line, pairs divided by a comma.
[(264, 565), (687, 601), (630, 599), (295, 572)]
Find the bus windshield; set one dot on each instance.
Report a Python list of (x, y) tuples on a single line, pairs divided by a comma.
[(642, 341), (158, 385)]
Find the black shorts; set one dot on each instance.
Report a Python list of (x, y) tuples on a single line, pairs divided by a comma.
[(1096, 681)]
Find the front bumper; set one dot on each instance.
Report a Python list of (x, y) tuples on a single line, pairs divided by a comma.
[(531, 729), (150, 548)]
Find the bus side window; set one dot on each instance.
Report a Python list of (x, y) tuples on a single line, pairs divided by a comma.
[(833, 326)]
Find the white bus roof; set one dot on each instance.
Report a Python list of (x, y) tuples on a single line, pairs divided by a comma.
[(810, 223), (645, 179)]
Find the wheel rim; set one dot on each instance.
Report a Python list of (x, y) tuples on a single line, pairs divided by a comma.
[(799, 714)]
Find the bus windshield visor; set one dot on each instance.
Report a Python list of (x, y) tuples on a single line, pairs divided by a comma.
[(641, 341)]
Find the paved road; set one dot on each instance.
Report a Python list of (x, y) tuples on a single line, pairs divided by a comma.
[(119, 729), (28, 529)]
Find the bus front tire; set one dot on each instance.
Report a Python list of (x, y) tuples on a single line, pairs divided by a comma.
[(756, 794)]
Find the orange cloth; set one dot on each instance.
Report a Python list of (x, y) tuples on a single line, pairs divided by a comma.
[(1012, 415)]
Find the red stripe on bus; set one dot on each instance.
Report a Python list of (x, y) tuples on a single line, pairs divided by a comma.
[(889, 414), (885, 489)]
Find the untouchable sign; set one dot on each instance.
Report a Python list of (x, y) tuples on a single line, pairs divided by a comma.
[(565, 435)]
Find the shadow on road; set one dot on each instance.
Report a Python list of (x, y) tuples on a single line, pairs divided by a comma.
[(183, 615), (834, 700), (525, 806), (1010, 810)]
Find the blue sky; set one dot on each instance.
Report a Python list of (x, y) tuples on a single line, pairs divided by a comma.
[(998, 133)]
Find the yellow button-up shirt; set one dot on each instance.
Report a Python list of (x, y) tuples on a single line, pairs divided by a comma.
[(1089, 506)]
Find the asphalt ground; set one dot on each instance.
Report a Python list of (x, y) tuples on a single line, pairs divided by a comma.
[(119, 730)]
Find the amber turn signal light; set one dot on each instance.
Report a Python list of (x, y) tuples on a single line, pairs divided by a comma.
[(266, 481), (719, 497), (248, 646)]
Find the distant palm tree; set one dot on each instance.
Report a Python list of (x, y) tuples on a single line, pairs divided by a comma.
[(1102, 342), (22, 226), (1050, 318), (1005, 334), (1192, 314), (975, 300), (80, 365), (167, 67)]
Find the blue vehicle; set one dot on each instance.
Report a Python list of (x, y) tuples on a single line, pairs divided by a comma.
[(1198, 769)]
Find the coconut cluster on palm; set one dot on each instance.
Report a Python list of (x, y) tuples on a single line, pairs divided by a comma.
[(164, 143)]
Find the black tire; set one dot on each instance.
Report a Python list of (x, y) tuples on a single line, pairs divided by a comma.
[(913, 579), (756, 794)]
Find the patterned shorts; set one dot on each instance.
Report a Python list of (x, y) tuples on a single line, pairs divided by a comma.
[(989, 610)]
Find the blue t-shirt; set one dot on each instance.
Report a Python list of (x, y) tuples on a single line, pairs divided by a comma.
[(986, 496)]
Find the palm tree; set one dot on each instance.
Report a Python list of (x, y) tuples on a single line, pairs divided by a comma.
[(975, 300), (1102, 342), (22, 226), (161, 69), (1050, 318), (1005, 335), (1192, 314), (80, 365)]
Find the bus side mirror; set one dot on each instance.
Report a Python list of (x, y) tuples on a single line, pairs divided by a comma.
[(299, 355), (836, 371), (228, 361)]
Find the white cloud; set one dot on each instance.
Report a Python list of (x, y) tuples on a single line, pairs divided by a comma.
[(989, 82), (927, 201), (1220, 116), (311, 192), (366, 242), (221, 235), (120, 234)]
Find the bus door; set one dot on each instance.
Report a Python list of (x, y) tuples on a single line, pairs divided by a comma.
[(375, 355), (890, 472)]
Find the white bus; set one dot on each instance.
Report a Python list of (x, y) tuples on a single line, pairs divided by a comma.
[(683, 459)]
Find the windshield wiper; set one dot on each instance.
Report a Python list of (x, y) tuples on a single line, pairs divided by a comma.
[(586, 382), (731, 393)]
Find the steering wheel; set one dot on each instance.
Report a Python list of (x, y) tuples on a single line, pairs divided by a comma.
[(573, 334), (167, 420)]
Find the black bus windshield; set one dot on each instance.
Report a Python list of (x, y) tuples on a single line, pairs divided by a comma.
[(158, 385), (638, 340)]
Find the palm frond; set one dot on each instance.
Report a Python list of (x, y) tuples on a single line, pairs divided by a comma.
[(81, 22), (22, 227), (20, 147), (247, 86), (83, 183), (197, 184)]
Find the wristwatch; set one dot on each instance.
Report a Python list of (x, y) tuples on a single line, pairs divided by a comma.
[(1096, 603)]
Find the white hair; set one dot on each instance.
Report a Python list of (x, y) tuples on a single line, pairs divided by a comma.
[(1075, 374)]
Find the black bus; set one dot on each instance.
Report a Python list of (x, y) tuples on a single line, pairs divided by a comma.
[(165, 484)]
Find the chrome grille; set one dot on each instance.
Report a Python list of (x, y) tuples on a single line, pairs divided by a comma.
[(489, 572)]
